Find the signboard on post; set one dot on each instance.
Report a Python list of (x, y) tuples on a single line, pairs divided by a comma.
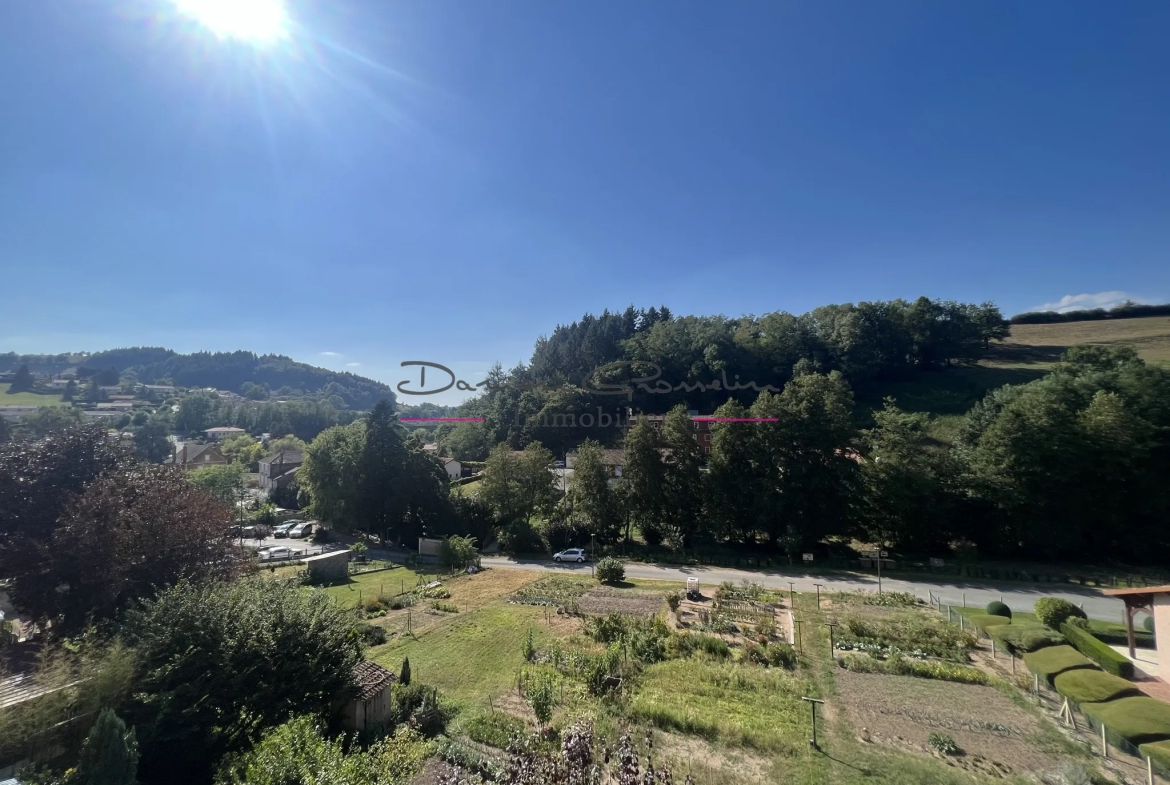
[(936, 562), (808, 557)]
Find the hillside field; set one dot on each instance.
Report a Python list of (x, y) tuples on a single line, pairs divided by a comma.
[(28, 398), (1029, 353)]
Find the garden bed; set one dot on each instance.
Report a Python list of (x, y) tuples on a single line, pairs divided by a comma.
[(606, 599), (996, 736), (554, 592)]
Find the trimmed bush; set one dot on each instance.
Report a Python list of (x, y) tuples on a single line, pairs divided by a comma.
[(1053, 612), (1148, 625), (1053, 660), (1138, 720), (610, 570), (1159, 751), (1092, 686), (1143, 639), (983, 621), (1024, 637), (997, 608), (1109, 660)]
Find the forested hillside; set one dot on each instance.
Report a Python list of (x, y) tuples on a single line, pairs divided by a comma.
[(268, 374)]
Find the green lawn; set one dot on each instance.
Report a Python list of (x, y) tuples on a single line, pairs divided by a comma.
[(29, 398), (1053, 660), (1140, 720)]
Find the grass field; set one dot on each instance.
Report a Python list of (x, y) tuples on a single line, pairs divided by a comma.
[(28, 398), (1029, 352), (723, 722)]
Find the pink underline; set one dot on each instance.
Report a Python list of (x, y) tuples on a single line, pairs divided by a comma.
[(736, 419), (441, 419)]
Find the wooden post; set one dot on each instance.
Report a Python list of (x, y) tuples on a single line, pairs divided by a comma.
[(832, 640), (1149, 771), (1104, 742), (1130, 638), (813, 703)]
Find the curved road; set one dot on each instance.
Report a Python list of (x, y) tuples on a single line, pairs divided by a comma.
[(1017, 596)]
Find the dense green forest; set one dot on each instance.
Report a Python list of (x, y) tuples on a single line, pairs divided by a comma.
[(242, 372), (651, 360), (1127, 310)]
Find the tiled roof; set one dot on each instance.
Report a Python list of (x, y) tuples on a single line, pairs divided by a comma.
[(285, 456), (370, 678)]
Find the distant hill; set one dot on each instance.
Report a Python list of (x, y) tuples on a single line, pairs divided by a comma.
[(282, 376)]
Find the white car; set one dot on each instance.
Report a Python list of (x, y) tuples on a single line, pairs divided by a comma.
[(301, 530), (572, 554), (279, 552)]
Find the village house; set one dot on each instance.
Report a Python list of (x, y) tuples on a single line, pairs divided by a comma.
[(279, 469), (454, 468), (368, 706), (223, 432), (197, 456)]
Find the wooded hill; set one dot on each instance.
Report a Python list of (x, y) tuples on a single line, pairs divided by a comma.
[(280, 375)]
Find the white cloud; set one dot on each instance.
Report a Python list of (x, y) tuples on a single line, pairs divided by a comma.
[(353, 365), (1078, 302), (330, 354)]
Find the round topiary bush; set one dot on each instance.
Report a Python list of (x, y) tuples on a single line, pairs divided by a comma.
[(997, 608), (610, 570), (1053, 612)]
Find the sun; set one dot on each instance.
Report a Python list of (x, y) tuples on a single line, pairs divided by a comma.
[(258, 21)]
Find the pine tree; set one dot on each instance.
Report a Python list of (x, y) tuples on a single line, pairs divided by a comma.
[(109, 755), (404, 674), (22, 382)]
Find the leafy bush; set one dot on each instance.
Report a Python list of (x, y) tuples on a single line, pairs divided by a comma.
[(496, 728), (444, 607), (673, 600), (1053, 611), (754, 654), (1109, 660), (1139, 720), (608, 628), (1092, 686), (943, 743), (370, 634), (712, 646), (437, 593), (610, 570), (1053, 660), (892, 599), (997, 608), (528, 648), (541, 695), (418, 704), (781, 655), (984, 622), (458, 552), (1024, 637), (766, 627)]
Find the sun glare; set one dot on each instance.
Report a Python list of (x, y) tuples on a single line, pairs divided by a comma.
[(259, 21)]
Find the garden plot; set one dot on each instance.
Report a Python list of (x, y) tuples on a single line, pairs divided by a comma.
[(607, 599), (995, 736), (737, 613), (553, 592)]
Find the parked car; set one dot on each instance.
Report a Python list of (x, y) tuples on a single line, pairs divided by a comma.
[(572, 554), (301, 530), (245, 531), (283, 529), (280, 552)]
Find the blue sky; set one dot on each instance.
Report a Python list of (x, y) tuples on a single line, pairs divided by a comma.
[(447, 180)]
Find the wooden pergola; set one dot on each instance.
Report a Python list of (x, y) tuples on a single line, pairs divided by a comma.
[(1136, 600)]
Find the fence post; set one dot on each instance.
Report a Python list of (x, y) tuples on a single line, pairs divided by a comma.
[(1150, 771), (1104, 742)]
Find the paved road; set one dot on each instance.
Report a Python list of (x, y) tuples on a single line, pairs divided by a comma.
[(979, 593)]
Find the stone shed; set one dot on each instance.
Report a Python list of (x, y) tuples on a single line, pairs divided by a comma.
[(369, 704), (328, 567)]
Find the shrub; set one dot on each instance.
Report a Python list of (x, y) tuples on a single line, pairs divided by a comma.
[(943, 743), (1053, 660), (674, 599), (1024, 637), (610, 570), (444, 607), (1109, 660), (1148, 624), (754, 653), (1053, 611), (781, 655), (1139, 720), (496, 729), (997, 608), (371, 634), (373, 605), (540, 696), (528, 649), (712, 646), (404, 674), (608, 628), (1091, 686), (983, 621)]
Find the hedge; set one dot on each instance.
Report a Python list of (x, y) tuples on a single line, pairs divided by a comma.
[(1139, 720), (1025, 637), (1109, 660), (1092, 686), (1052, 660), (1159, 751), (984, 620), (1143, 640)]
